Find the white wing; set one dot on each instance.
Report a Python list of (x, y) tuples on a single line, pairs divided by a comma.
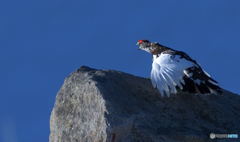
[(167, 73)]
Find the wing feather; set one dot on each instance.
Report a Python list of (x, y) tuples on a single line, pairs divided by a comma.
[(167, 73), (176, 70)]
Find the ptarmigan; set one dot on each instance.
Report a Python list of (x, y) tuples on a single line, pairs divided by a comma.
[(174, 71)]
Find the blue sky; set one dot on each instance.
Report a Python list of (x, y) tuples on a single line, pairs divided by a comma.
[(41, 42)]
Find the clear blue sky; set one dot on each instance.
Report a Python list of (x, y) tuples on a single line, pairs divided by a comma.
[(41, 42)]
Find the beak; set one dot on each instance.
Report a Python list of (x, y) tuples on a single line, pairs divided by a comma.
[(137, 44)]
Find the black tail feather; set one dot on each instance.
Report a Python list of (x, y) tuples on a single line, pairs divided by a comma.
[(204, 87)]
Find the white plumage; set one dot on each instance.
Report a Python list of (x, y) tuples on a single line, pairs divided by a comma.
[(167, 72)]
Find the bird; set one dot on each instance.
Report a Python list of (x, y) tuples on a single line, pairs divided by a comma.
[(174, 71)]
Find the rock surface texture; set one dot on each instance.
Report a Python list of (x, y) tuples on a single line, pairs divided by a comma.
[(111, 106)]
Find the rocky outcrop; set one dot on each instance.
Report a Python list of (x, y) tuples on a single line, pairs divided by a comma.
[(111, 106)]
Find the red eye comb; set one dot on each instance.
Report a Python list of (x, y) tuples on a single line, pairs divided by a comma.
[(140, 41)]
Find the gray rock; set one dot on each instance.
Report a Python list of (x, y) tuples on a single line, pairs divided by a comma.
[(111, 106)]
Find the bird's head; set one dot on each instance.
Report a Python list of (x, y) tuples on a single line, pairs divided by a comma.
[(144, 45), (151, 47)]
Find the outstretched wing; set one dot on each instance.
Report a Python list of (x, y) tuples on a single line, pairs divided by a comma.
[(174, 70)]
